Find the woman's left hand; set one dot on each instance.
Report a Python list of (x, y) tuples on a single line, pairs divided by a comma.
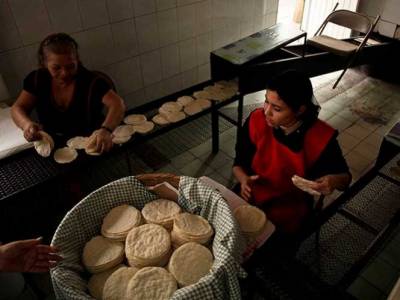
[(325, 184), (103, 140)]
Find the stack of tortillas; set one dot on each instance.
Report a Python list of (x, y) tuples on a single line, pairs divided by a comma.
[(139, 123), (252, 220), (184, 100), (119, 221), (100, 254), (148, 245), (161, 212), (151, 283), (190, 228), (172, 111), (197, 106), (135, 119), (122, 134), (97, 281), (147, 248), (45, 145), (189, 263), (220, 91), (116, 285)]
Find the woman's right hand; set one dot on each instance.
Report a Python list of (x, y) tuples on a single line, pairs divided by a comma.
[(31, 131), (246, 186)]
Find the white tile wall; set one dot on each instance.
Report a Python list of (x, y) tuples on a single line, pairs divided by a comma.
[(32, 20), (187, 50), (125, 43), (64, 15), (144, 7), (165, 4), (119, 10), (151, 67), (94, 13), (149, 47), (186, 21), (147, 32), (170, 60), (10, 37), (167, 26)]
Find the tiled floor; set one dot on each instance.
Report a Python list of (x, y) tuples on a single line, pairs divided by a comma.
[(359, 138)]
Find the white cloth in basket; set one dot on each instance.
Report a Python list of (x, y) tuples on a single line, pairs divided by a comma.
[(85, 219)]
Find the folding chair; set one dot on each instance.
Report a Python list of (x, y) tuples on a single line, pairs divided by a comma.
[(346, 48)]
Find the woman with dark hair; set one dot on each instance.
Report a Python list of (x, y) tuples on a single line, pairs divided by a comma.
[(283, 139), (68, 98)]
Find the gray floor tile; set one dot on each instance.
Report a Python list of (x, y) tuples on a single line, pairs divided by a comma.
[(195, 168), (218, 160), (380, 274), (182, 160), (391, 254), (363, 290), (201, 149)]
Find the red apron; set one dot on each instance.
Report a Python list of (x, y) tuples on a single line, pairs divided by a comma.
[(285, 205)]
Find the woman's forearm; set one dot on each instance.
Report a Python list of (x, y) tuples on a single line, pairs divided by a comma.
[(115, 110), (239, 174), (20, 117), (341, 181)]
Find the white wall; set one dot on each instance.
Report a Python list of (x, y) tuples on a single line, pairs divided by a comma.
[(389, 11), (151, 48)]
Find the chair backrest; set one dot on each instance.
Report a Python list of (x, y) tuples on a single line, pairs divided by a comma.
[(350, 19)]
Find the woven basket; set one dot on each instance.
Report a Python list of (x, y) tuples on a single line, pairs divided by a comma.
[(84, 221)]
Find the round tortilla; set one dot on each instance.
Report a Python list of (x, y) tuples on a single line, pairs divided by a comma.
[(184, 100), (151, 283), (78, 142), (160, 119), (45, 145), (189, 263), (65, 155), (135, 119)]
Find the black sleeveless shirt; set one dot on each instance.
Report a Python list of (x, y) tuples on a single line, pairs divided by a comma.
[(84, 113)]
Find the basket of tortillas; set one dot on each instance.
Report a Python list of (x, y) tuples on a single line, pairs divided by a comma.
[(124, 241)]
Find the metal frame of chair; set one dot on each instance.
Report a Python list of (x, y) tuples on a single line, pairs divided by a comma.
[(355, 21)]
